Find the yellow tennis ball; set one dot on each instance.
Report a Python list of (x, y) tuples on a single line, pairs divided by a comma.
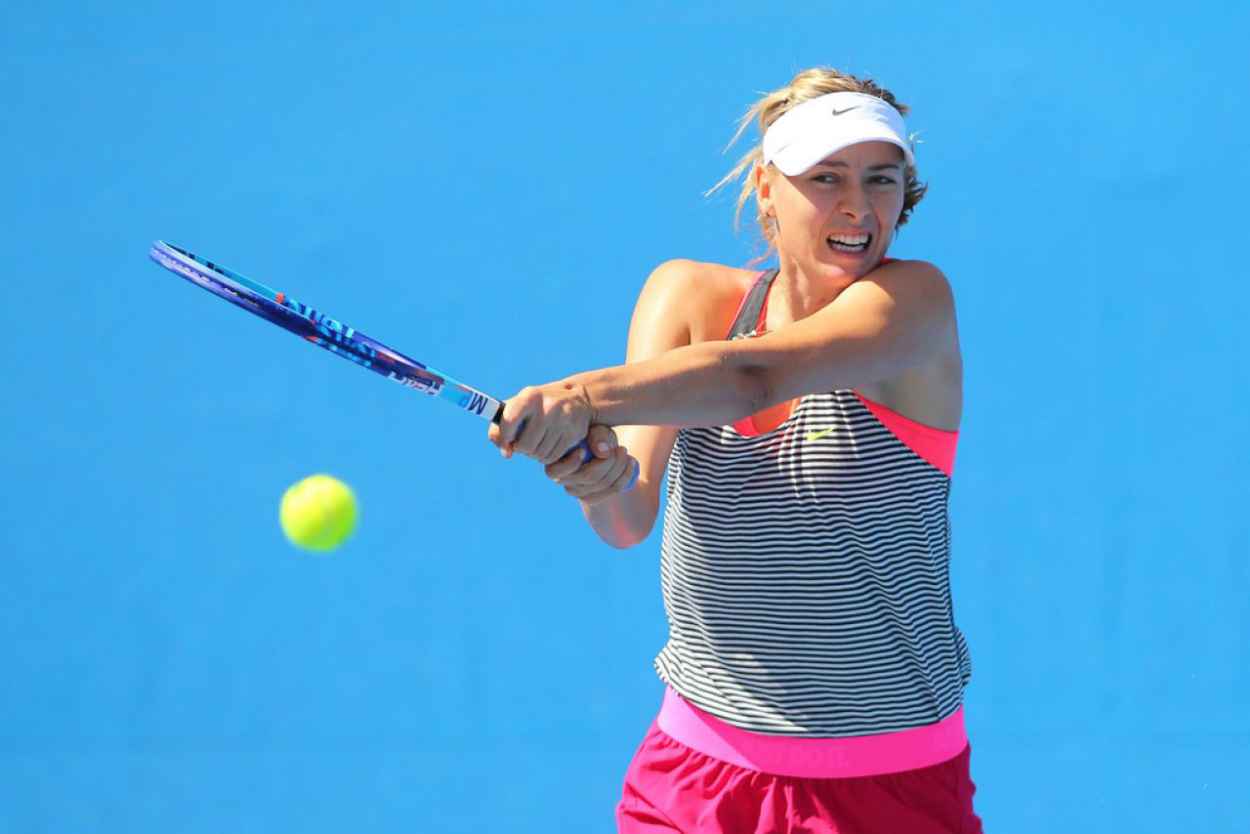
[(318, 513)]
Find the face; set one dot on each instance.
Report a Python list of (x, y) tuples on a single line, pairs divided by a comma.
[(837, 218)]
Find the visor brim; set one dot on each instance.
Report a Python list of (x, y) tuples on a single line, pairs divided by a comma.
[(802, 156)]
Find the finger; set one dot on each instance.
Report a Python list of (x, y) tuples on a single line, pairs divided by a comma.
[(596, 498), (588, 477), (601, 440), (572, 439), (560, 450), (578, 440), (565, 466), (495, 435), (511, 421), (611, 476), (595, 491), (596, 475), (579, 490), (600, 473), (626, 478), (579, 477), (549, 448), (584, 450), (631, 472), (531, 436)]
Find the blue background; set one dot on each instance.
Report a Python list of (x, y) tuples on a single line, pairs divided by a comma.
[(487, 189)]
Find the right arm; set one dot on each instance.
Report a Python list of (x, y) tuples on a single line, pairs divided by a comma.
[(661, 322)]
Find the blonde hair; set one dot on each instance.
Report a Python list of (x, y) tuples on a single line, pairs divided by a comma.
[(808, 84)]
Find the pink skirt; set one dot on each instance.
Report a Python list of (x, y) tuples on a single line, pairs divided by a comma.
[(677, 786)]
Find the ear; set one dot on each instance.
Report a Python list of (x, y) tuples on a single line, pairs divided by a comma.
[(763, 188)]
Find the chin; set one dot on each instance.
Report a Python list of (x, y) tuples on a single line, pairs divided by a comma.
[(854, 263), (856, 266)]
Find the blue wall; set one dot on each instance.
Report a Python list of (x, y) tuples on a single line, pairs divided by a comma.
[(487, 190)]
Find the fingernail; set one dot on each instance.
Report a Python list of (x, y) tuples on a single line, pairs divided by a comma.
[(603, 446)]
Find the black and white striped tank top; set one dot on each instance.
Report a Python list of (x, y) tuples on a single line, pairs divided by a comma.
[(805, 573)]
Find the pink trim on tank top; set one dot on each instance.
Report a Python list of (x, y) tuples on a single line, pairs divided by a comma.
[(935, 445), (811, 758)]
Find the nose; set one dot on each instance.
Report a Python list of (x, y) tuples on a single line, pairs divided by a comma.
[(853, 202)]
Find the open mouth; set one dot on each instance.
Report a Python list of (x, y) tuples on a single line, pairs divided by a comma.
[(850, 244)]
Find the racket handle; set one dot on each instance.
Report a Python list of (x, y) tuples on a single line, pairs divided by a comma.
[(587, 455), (633, 479), (585, 447)]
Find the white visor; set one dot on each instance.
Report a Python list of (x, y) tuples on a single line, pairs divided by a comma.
[(811, 131)]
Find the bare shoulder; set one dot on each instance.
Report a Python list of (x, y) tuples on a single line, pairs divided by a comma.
[(704, 296), (921, 275), (699, 278), (913, 283), (931, 393)]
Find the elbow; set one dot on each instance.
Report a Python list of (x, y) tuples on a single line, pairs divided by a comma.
[(623, 538), (623, 522)]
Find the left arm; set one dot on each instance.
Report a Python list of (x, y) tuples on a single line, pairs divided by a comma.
[(895, 318)]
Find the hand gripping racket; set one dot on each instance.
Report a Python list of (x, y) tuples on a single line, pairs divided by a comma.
[(331, 334)]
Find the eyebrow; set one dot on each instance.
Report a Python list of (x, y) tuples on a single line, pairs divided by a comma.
[(896, 166)]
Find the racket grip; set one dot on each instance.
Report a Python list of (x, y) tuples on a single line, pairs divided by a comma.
[(633, 479), (586, 453)]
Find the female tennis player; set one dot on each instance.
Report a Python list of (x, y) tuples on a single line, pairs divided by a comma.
[(807, 417)]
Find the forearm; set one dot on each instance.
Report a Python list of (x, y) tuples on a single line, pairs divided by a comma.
[(705, 384), (625, 519)]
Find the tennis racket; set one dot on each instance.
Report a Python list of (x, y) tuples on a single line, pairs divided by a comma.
[(328, 333)]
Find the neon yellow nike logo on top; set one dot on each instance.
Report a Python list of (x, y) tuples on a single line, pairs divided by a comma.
[(813, 436)]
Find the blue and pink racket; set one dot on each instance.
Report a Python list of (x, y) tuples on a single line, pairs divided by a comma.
[(331, 334)]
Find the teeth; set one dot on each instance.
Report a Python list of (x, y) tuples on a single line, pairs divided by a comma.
[(850, 240)]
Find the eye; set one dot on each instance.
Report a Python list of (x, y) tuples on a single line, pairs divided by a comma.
[(827, 179), (882, 179)]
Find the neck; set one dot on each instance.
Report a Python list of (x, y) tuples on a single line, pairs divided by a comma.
[(796, 295)]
